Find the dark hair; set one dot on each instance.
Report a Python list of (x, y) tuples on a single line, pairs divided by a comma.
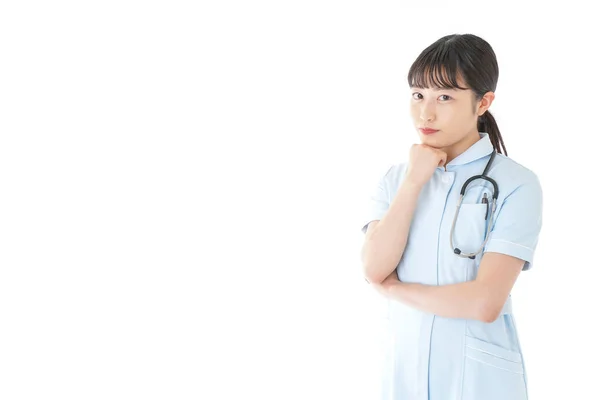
[(469, 57)]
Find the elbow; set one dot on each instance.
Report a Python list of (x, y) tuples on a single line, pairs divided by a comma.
[(373, 276), (373, 279), (369, 273), (488, 311), (371, 269)]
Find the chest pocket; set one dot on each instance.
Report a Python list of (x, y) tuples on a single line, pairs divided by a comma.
[(471, 224), (470, 228)]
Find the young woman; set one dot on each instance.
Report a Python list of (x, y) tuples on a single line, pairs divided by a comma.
[(448, 233)]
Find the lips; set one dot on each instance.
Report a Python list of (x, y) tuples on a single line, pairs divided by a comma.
[(427, 131)]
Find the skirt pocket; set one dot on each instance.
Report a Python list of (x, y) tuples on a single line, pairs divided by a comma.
[(492, 372)]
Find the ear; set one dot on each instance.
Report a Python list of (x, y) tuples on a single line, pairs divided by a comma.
[(485, 103)]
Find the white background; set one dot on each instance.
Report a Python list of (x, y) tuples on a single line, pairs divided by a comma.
[(183, 186)]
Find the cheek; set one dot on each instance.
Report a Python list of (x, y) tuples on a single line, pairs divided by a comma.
[(415, 113), (453, 115)]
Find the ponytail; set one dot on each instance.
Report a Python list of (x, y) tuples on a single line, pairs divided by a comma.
[(487, 123)]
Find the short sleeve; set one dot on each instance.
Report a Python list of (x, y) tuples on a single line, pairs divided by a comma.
[(518, 223), (378, 202)]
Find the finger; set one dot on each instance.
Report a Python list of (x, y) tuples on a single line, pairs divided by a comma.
[(443, 159)]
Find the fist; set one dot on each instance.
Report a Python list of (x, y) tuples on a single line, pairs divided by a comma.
[(423, 161)]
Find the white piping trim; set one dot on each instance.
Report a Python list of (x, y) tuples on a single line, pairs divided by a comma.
[(506, 241), (494, 366)]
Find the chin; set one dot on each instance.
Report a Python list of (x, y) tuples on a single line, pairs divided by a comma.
[(428, 139)]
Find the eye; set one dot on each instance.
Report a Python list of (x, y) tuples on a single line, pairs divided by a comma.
[(418, 94), (445, 95)]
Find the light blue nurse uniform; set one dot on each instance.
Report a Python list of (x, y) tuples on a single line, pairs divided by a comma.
[(430, 357)]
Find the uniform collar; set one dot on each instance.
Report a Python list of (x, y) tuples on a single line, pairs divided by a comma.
[(479, 149)]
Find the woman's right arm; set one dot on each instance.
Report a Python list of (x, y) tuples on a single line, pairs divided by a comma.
[(386, 239)]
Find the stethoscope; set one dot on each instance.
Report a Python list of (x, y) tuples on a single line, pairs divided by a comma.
[(456, 250)]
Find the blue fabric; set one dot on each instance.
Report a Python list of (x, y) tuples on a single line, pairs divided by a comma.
[(431, 357)]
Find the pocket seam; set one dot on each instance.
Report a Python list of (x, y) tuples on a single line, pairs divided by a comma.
[(473, 343), (492, 354), (494, 366)]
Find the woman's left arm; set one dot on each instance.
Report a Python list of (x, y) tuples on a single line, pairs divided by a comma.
[(480, 299)]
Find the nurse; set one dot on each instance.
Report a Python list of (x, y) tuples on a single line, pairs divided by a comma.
[(452, 334)]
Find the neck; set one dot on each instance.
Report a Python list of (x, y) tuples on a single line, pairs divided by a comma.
[(461, 146)]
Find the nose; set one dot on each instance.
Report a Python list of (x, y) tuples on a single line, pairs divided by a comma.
[(427, 114)]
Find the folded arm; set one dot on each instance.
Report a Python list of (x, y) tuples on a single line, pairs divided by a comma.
[(481, 299)]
